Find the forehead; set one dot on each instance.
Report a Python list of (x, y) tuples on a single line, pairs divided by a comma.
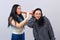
[(38, 11), (18, 7)]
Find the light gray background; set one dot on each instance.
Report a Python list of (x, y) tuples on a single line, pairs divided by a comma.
[(50, 8)]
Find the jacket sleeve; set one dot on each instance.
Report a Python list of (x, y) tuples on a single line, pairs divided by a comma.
[(50, 30), (30, 23)]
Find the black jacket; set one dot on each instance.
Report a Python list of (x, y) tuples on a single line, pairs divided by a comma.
[(44, 32)]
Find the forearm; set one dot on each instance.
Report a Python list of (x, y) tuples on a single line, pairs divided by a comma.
[(21, 24)]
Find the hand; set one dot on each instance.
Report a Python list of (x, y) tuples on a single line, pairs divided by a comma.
[(23, 12), (31, 12)]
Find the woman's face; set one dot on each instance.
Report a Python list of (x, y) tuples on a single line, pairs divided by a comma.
[(18, 10), (37, 14)]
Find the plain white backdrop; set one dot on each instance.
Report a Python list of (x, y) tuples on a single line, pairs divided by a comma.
[(50, 8)]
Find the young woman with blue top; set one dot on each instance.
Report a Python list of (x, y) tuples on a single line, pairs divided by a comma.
[(16, 22)]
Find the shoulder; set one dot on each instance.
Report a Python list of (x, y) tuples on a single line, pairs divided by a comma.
[(45, 18), (32, 19)]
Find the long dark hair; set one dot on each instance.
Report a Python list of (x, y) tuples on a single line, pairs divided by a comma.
[(13, 14), (41, 20)]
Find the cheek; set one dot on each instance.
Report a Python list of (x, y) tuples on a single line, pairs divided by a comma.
[(18, 11), (37, 16)]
